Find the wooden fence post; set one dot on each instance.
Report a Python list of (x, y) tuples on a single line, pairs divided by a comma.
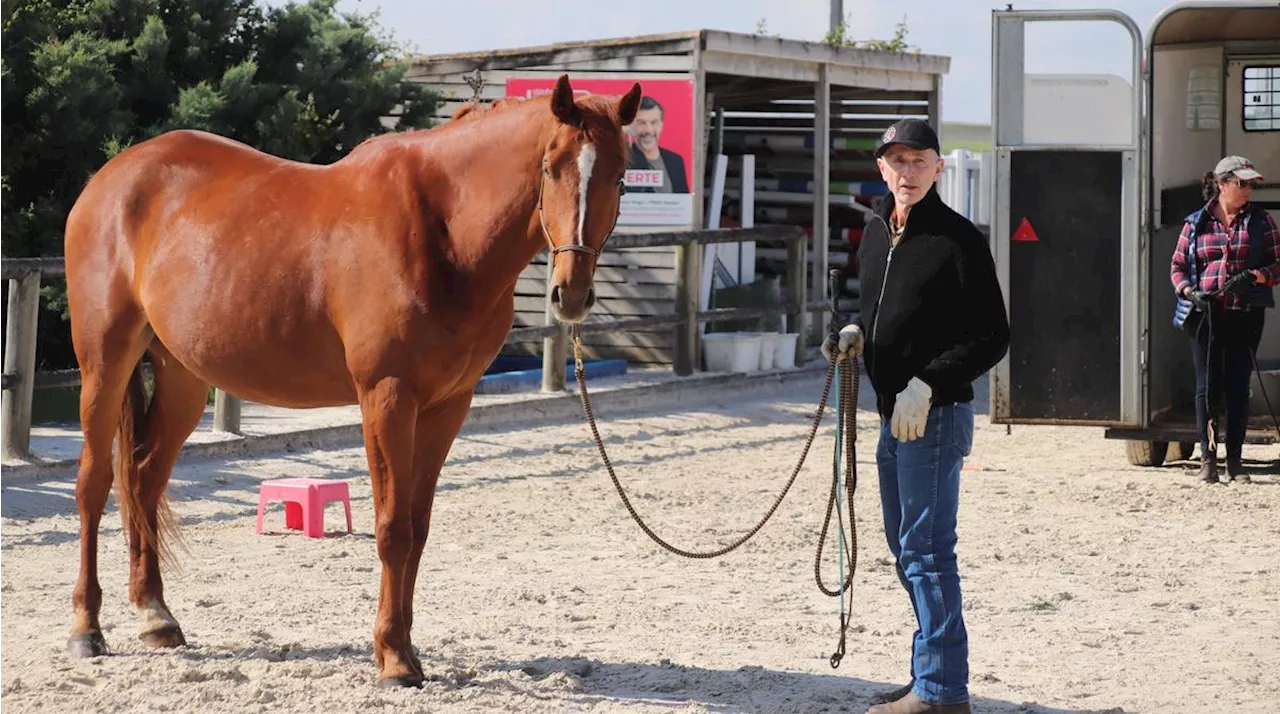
[(797, 296), (554, 348), (688, 274), (20, 361), (226, 412)]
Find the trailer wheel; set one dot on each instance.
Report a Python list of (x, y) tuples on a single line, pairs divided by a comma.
[(1146, 453), (1180, 451)]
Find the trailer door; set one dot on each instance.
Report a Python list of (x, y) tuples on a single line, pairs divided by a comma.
[(1065, 224)]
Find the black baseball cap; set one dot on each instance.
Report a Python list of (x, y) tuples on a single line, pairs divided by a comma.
[(915, 133)]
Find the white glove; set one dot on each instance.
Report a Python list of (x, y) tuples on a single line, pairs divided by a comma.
[(911, 411), (848, 344)]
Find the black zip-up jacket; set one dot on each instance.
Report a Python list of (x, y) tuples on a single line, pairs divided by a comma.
[(931, 307)]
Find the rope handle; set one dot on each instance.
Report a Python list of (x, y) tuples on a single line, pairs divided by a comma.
[(846, 427)]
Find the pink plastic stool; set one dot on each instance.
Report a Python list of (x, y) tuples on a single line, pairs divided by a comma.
[(304, 502)]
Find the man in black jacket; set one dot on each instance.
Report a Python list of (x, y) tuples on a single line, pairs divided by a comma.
[(936, 320)]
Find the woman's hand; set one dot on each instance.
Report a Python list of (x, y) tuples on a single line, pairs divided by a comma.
[(1199, 298)]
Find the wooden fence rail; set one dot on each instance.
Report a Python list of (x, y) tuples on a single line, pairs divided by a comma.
[(23, 275)]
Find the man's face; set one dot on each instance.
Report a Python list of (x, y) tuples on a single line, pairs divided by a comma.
[(909, 172), (647, 128)]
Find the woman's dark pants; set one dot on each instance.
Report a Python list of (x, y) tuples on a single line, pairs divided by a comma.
[(1222, 351)]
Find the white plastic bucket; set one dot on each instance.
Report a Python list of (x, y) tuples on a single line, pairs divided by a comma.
[(731, 351), (767, 350), (784, 350)]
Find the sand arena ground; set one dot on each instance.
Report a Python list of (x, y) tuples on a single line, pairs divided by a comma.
[(1090, 585)]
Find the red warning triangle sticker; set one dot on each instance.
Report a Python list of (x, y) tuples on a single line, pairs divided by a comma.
[(1025, 233)]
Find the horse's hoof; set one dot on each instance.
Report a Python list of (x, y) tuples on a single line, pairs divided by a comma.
[(167, 636), (408, 680), (90, 645)]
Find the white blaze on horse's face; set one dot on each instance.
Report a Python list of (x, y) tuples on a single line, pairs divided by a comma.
[(573, 224), (586, 165)]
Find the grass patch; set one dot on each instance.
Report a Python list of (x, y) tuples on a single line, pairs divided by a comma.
[(1042, 605)]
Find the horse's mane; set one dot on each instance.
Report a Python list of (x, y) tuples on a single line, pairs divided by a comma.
[(591, 102), (476, 109), (466, 111)]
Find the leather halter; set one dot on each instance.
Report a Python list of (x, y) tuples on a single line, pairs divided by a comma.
[(573, 247)]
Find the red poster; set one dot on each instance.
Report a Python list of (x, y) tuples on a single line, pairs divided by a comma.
[(660, 183)]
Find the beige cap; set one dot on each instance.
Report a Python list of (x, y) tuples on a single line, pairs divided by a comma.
[(1237, 166)]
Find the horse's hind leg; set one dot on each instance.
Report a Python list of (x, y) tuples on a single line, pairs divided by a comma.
[(108, 348), (176, 407)]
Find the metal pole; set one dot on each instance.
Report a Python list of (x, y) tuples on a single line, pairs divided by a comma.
[(797, 296), (717, 140), (821, 190), (837, 14)]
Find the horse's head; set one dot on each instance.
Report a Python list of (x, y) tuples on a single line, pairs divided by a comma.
[(581, 190)]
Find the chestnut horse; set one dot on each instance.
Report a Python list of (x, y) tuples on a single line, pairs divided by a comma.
[(385, 279)]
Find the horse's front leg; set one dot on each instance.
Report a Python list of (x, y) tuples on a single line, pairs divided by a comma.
[(390, 410), (436, 429)]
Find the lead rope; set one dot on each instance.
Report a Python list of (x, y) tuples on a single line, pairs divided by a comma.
[(846, 424)]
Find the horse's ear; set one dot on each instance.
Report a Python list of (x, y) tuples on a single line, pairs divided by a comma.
[(629, 105), (562, 104)]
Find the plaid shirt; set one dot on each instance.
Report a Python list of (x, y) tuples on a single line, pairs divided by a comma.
[(1223, 252)]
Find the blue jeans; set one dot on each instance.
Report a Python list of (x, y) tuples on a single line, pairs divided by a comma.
[(920, 496)]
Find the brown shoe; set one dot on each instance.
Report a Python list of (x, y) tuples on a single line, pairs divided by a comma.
[(894, 695), (911, 704), (1208, 469)]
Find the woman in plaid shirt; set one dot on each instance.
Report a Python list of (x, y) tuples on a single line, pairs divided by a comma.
[(1224, 268)]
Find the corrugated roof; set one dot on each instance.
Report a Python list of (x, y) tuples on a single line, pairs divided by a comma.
[(686, 43)]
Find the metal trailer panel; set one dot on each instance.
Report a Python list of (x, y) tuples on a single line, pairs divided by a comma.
[(1065, 354), (1041, 376)]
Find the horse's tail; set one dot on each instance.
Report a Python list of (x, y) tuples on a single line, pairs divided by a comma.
[(131, 491)]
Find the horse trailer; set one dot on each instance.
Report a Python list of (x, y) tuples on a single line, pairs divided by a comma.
[(1094, 173)]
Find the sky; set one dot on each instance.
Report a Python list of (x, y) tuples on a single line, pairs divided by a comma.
[(959, 29)]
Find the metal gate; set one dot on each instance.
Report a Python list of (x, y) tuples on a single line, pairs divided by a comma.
[(1065, 233)]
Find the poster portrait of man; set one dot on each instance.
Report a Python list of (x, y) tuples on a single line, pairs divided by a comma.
[(647, 153), (659, 181)]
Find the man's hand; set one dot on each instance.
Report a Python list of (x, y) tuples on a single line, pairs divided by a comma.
[(911, 411), (847, 344)]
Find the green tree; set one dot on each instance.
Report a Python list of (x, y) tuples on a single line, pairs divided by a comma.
[(840, 37), (83, 79)]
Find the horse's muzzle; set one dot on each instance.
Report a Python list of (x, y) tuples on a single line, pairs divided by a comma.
[(572, 306)]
